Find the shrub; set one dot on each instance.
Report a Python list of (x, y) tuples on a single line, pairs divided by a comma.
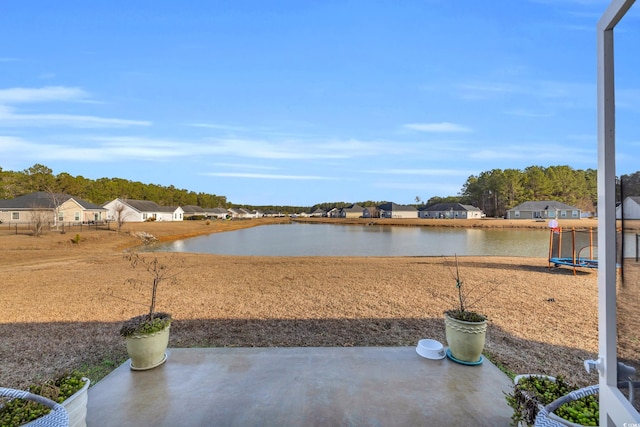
[(19, 411), (539, 390)]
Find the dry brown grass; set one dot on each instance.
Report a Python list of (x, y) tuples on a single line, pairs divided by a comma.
[(62, 304)]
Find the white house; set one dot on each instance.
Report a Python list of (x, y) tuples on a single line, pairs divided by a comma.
[(220, 213), (450, 210), (544, 209), (354, 211), (392, 210), (141, 210), (630, 207)]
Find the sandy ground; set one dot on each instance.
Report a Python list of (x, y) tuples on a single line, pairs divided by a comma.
[(62, 303)]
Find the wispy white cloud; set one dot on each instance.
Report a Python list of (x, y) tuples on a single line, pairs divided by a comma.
[(301, 149), (562, 94), (115, 148), (536, 153), (436, 127), (527, 113), (8, 118), (8, 59), (421, 172), (432, 188), (47, 76), (21, 95), (217, 126), (487, 90), (244, 166), (628, 99), (269, 176), (22, 149)]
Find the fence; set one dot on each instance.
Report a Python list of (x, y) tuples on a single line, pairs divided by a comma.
[(25, 228)]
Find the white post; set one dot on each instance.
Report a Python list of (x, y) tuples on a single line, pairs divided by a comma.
[(615, 409)]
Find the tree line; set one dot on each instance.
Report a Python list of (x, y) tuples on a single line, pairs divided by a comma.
[(497, 190), (41, 178), (494, 191)]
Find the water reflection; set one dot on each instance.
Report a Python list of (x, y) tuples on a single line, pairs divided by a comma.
[(354, 240)]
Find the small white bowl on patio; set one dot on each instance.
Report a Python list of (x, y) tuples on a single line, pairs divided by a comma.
[(430, 349)]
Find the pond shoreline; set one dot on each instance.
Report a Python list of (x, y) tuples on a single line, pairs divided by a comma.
[(458, 223)]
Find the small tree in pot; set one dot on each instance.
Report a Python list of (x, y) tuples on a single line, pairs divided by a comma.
[(147, 335), (465, 329)]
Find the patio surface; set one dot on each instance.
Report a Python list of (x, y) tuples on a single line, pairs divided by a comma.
[(302, 386)]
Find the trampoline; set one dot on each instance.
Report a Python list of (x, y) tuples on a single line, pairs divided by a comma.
[(572, 248)]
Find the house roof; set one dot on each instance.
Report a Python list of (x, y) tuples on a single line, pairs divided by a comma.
[(216, 210), (142, 205), (442, 207), (44, 200), (543, 205), (354, 208), (167, 208), (634, 198), (390, 206), (192, 209)]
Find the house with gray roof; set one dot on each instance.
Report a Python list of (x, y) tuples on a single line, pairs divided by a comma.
[(630, 208), (451, 211), (544, 209), (318, 213), (58, 207), (354, 211), (240, 213), (141, 210), (193, 211), (393, 210), (220, 213)]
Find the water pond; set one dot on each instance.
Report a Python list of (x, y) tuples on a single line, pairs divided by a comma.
[(356, 240)]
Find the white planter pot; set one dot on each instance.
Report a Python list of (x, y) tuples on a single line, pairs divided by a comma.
[(465, 339), (148, 351), (76, 406)]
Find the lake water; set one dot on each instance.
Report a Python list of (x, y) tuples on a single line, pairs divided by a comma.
[(355, 240)]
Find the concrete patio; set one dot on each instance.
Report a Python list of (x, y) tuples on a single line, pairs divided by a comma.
[(304, 386)]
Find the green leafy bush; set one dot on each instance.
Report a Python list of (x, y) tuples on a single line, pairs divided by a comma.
[(533, 391), (16, 412)]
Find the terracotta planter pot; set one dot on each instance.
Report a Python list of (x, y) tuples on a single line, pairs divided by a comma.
[(465, 339), (148, 350)]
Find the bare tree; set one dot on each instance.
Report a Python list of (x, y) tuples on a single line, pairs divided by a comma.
[(120, 215), (55, 200), (38, 219)]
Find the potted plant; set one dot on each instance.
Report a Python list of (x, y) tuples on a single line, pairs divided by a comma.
[(533, 393), (69, 390), (465, 330), (147, 335)]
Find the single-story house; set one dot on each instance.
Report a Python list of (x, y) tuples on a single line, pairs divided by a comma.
[(334, 213), (130, 210), (240, 213), (393, 210), (354, 211), (630, 207), (318, 213), (59, 207), (220, 213), (450, 210), (272, 213), (193, 211), (545, 209)]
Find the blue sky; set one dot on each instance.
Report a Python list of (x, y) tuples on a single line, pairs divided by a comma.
[(301, 102)]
